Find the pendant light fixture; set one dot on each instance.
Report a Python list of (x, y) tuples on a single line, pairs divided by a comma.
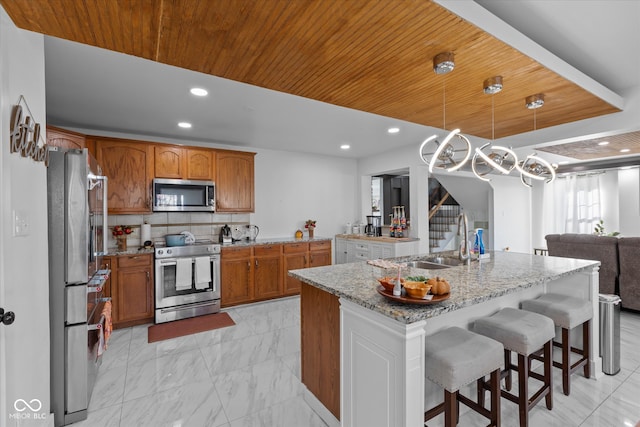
[(443, 63), (534, 167), (455, 149), (500, 158)]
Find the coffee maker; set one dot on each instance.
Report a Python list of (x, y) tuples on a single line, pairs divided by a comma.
[(374, 226)]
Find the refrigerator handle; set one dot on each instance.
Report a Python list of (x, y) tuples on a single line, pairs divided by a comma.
[(105, 194)]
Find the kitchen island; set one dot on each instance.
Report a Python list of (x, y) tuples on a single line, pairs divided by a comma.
[(363, 354)]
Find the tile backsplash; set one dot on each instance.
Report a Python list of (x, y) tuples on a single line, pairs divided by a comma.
[(203, 225)]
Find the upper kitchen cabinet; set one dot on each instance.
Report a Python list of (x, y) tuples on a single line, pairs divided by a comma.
[(234, 181), (129, 166), (168, 162), (63, 138), (184, 163), (201, 164)]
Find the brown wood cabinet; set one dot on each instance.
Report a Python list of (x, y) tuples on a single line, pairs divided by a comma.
[(63, 138), (320, 345), (296, 256), (128, 165), (235, 276), (132, 291), (250, 274), (201, 164), (320, 253), (184, 162), (168, 162), (234, 181), (304, 255), (267, 271), (131, 165), (259, 272)]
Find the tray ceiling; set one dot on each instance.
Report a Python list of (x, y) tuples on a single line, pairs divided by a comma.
[(369, 55)]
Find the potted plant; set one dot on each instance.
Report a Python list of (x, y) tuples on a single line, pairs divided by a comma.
[(310, 225), (599, 230), (120, 232)]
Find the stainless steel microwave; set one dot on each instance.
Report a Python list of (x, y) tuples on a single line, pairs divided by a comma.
[(181, 195)]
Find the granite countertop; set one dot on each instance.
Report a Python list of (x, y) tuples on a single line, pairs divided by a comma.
[(274, 241), (129, 251), (241, 243), (381, 239), (503, 273)]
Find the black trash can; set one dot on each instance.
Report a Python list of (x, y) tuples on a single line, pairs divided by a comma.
[(610, 333)]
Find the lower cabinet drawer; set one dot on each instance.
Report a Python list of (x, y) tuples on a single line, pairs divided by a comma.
[(133, 260)]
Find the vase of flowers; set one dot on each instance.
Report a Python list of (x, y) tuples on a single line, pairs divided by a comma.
[(120, 232), (310, 225)]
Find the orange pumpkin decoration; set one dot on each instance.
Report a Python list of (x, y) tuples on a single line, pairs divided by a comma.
[(439, 286)]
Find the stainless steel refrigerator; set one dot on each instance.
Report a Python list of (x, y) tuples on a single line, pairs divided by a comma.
[(77, 216)]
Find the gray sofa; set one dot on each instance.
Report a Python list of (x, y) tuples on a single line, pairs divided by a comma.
[(628, 250), (620, 266)]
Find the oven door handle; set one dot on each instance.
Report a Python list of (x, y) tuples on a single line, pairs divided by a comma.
[(173, 261)]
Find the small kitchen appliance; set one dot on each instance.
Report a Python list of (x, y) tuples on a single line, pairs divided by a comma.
[(374, 226), (225, 234), (180, 195), (252, 232)]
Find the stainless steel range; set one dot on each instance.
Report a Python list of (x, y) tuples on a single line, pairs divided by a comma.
[(187, 281)]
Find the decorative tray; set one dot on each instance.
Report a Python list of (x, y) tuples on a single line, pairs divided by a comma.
[(406, 299)]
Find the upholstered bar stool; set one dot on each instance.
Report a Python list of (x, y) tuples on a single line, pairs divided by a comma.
[(455, 357), (524, 332), (567, 312)]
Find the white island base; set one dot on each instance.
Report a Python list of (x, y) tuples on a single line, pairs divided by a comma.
[(383, 380)]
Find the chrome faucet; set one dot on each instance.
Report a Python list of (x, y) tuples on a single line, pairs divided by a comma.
[(464, 254)]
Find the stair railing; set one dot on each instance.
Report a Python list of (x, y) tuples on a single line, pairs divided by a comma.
[(437, 207)]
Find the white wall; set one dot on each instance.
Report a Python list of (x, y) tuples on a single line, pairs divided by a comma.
[(24, 289), (629, 204), (511, 222), (293, 187)]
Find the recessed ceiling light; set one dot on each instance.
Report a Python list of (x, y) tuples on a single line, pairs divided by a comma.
[(345, 146), (184, 125), (603, 143), (198, 91), (393, 130), (625, 150)]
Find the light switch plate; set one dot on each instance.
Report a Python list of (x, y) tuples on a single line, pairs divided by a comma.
[(20, 223)]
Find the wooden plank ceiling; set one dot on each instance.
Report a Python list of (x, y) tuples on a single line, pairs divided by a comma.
[(369, 55)]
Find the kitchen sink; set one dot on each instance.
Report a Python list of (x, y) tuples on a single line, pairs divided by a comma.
[(427, 265), (435, 263)]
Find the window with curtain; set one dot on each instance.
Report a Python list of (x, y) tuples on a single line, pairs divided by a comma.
[(572, 204)]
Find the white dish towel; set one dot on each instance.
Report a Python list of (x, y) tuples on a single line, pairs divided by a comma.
[(183, 274), (203, 272)]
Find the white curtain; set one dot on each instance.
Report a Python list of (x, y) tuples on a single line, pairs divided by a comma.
[(572, 204)]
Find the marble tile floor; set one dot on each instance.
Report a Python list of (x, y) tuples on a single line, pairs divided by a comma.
[(240, 376), (248, 375)]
